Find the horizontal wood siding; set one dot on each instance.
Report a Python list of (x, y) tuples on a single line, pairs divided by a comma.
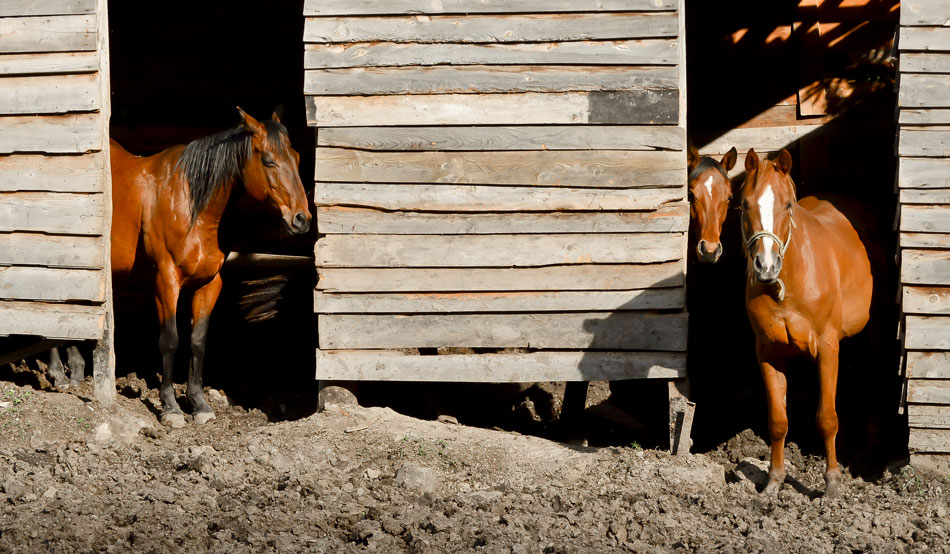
[(924, 192), (53, 206), (498, 174)]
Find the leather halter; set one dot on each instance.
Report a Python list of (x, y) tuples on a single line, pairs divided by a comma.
[(783, 246)]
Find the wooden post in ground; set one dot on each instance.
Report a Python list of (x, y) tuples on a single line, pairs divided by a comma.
[(681, 417)]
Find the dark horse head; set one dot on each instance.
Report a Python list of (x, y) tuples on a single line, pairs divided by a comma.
[(710, 192), (257, 154)]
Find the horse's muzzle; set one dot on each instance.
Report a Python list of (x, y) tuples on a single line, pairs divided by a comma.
[(300, 224), (766, 274), (705, 255)]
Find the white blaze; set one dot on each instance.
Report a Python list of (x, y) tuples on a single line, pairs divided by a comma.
[(766, 213), (708, 185)]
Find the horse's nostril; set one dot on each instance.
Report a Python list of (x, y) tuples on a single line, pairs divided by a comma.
[(301, 222)]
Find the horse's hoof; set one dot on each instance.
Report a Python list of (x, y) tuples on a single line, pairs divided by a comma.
[(173, 420), (203, 417), (833, 488), (772, 488)]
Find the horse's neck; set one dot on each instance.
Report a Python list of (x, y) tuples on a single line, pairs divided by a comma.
[(209, 220)]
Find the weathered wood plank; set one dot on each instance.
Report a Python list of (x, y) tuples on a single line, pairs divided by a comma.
[(51, 173), (929, 440), (496, 250), (925, 240), (928, 365), (925, 219), (357, 221), (565, 168), (413, 7), (499, 368), (924, 116), (15, 8), (48, 64), (623, 330), (933, 39), (52, 285), (763, 139), (65, 33), (558, 278), (467, 302), (473, 198), (924, 196), (51, 251), (62, 134), (923, 173), (921, 62), (644, 107), (660, 51), (923, 416), (926, 300), (927, 332), (49, 94), (925, 267), (497, 28), (53, 321), (55, 213), (481, 79), (924, 141), (928, 391), (526, 137), (925, 12), (919, 90)]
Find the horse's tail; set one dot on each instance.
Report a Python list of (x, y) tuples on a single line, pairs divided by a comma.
[(270, 284)]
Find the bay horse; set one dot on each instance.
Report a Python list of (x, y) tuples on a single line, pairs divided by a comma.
[(809, 286), (166, 212), (710, 195)]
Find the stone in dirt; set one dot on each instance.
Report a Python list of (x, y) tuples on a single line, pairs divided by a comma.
[(418, 478)]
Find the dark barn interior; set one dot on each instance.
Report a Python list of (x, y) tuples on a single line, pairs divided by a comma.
[(180, 68)]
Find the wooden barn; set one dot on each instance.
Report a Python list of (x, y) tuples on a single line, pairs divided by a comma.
[(500, 189), (55, 207), (923, 185)]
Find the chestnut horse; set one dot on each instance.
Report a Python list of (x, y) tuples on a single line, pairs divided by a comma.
[(809, 285), (166, 213), (710, 194)]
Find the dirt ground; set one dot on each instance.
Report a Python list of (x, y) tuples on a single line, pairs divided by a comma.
[(75, 478)]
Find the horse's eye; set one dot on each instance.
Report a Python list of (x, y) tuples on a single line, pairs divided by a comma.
[(788, 206), (268, 161)]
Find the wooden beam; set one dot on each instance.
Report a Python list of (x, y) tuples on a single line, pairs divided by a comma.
[(61, 134), (499, 368), (52, 251), (53, 213), (52, 321), (14, 8), (763, 139), (928, 391), (925, 267), (644, 107), (566, 168), (51, 173), (51, 285), (928, 365), (64, 33), (924, 196), (924, 62), (412, 303), (926, 300), (929, 440), (475, 198), (492, 28), (556, 278), (357, 221), (927, 333), (923, 173), (925, 12), (495, 250), (925, 219), (48, 63), (926, 39), (49, 94), (925, 240), (325, 8), (38, 346), (923, 416), (657, 51), (924, 141), (924, 116), (526, 137), (622, 330)]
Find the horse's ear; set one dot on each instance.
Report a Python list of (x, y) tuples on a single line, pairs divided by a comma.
[(692, 156), (252, 125), (751, 161), (784, 161), (729, 160), (278, 113)]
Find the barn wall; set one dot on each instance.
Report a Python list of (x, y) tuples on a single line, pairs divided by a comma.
[(54, 205), (500, 176), (924, 188)]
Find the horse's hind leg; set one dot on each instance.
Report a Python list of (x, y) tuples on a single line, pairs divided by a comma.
[(55, 370), (776, 385), (201, 306), (827, 417), (77, 365), (166, 297)]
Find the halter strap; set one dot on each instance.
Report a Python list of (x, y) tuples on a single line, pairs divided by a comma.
[(783, 246)]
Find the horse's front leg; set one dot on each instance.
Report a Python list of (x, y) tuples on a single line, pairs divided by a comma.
[(201, 306), (776, 386), (56, 370), (827, 417), (77, 365), (167, 290)]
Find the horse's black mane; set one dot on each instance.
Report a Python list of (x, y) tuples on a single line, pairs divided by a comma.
[(705, 163), (211, 162)]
